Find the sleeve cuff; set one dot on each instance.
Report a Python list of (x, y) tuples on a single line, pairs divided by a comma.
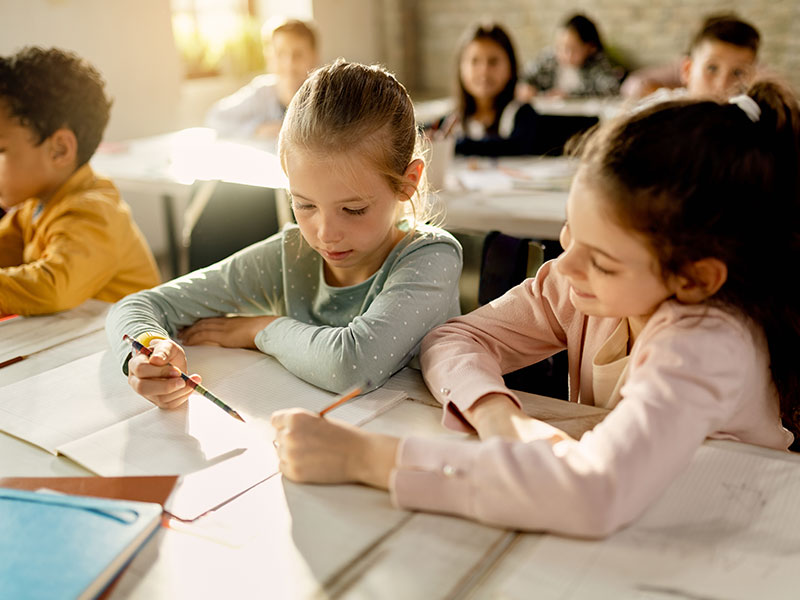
[(433, 475), (453, 416)]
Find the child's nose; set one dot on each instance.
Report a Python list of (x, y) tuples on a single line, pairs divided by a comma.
[(329, 230)]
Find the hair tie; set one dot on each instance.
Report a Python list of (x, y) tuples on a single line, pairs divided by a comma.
[(749, 106)]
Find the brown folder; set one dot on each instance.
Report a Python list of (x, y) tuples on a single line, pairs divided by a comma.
[(156, 488)]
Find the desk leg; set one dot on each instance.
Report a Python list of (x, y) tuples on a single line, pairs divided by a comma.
[(172, 236)]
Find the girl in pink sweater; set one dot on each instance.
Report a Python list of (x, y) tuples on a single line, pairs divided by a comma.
[(674, 300)]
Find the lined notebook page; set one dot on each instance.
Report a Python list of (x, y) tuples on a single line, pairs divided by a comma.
[(199, 434), (728, 527), (27, 335), (69, 402)]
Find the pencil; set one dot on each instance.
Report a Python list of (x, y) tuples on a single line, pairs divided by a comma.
[(195, 386), (11, 361), (345, 397)]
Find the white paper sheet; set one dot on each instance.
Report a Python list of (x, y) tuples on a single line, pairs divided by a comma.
[(728, 527), (27, 335), (199, 434)]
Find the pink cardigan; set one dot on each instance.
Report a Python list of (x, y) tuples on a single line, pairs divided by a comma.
[(694, 372)]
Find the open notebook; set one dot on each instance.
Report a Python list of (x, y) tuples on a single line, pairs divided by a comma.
[(62, 546), (23, 336), (86, 411), (727, 527)]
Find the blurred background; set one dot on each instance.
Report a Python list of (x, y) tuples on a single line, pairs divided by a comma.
[(166, 61)]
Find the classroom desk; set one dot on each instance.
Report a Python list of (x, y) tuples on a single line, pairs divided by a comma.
[(156, 177), (603, 108), (520, 196), (284, 540)]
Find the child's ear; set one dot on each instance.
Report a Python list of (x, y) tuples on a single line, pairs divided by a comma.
[(686, 67), (413, 175), (63, 147), (702, 279)]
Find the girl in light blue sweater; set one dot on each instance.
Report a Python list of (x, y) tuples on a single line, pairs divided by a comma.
[(346, 294)]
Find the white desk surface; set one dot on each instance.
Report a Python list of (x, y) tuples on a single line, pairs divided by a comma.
[(284, 540), (484, 194)]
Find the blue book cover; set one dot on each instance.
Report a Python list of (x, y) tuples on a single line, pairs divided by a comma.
[(56, 546)]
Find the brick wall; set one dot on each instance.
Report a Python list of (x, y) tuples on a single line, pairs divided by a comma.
[(642, 31)]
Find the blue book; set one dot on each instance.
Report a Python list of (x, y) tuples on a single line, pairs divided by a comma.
[(62, 546)]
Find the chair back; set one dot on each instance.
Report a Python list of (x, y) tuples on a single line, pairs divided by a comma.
[(225, 217), (494, 263)]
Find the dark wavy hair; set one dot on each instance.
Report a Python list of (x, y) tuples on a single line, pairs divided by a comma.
[(495, 33), (46, 89), (700, 179)]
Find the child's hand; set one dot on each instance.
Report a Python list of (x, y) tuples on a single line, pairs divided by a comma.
[(156, 377), (524, 92), (230, 332), (312, 449)]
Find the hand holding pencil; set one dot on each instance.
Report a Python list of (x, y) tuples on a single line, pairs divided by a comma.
[(158, 374)]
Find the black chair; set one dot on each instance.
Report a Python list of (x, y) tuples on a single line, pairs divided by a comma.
[(554, 131), (493, 264), (225, 217)]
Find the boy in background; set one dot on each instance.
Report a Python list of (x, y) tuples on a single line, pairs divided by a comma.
[(256, 110), (67, 235), (721, 62)]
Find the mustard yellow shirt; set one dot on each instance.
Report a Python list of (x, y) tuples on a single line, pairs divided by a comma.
[(81, 244)]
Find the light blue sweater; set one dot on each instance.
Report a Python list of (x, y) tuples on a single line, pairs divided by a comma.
[(332, 337)]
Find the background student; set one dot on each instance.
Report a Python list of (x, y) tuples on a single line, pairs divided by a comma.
[(67, 236), (577, 65), (673, 300), (488, 120), (344, 296), (721, 62), (256, 110)]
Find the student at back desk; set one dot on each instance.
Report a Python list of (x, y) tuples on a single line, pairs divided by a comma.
[(67, 235)]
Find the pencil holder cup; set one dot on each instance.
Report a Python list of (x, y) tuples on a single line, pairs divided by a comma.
[(439, 161)]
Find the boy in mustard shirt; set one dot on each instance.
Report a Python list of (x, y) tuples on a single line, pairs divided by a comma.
[(67, 235)]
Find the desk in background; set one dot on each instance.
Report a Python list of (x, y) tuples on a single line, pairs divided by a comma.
[(520, 196), (157, 175)]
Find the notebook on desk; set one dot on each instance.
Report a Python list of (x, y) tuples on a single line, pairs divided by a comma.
[(87, 411), (62, 546)]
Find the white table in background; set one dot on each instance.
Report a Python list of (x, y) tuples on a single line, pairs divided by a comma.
[(156, 177), (520, 196)]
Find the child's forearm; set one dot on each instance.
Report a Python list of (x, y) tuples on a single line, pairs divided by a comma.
[(373, 463), (493, 415)]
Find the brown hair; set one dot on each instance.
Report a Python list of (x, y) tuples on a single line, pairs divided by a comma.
[(728, 28), (294, 27), (701, 179), (345, 109)]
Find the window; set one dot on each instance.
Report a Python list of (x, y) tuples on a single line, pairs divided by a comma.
[(217, 36)]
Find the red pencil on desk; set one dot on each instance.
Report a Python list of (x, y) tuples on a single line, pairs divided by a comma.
[(11, 361), (196, 386), (345, 397)]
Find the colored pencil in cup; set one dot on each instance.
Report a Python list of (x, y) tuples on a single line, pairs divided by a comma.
[(196, 386), (349, 395)]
